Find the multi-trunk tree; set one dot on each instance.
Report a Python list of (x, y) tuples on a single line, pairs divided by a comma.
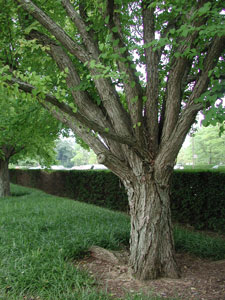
[(132, 76)]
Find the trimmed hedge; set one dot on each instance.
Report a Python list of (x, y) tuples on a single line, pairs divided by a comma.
[(197, 197), (99, 187)]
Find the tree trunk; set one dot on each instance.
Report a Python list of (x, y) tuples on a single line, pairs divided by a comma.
[(4, 178), (151, 243)]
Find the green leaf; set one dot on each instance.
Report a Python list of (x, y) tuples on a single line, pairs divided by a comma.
[(92, 64), (144, 98), (135, 99), (115, 29), (122, 50), (101, 46), (107, 19), (33, 26), (177, 54), (203, 10), (132, 84), (115, 43)]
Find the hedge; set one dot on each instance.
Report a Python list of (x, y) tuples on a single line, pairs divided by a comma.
[(197, 197)]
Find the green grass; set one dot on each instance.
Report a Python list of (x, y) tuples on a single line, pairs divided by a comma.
[(41, 235), (199, 244)]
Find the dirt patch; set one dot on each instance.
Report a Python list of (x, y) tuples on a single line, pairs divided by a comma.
[(200, 279)]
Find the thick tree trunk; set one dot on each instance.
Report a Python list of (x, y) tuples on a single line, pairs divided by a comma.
[(4, 178), (151, 243)]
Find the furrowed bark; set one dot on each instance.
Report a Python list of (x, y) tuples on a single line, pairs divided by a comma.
[(26, 87), (172, 146), (85, 104), (4, 178), (111, 101), (142, 157), (173, 99), (132, 86), (178, 75), (104, 155), (81, 26), (151, 243), (152, 61)]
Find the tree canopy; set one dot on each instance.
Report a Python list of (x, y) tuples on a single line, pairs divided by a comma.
[(97, 49), (27, 130), (206, 147)]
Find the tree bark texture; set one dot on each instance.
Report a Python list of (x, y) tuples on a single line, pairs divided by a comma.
[(4, 178), (151, 242)]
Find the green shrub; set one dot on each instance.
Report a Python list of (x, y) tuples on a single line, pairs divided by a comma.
[(197, 197)]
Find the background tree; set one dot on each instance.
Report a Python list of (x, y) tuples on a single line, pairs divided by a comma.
[(83, 156), (209, 147), (26, 131), (65, 152), (135, 123), (70, 153)]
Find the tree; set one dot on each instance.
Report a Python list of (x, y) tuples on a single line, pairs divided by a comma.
[(27, 130), (83, 156), (135, 123), (70, 153), (65, 152), (209, 147)]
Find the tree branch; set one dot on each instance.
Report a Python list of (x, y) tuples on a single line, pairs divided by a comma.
[(179, 70), (193, 78), (82, 99), (28, 88), (152, 61), (188, 116), (77, 128), (55, 29), (132, 87), (104, 155), (215, 50), (81, 26), (106, 90)]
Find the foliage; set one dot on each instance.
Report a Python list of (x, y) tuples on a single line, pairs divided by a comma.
[(208, 147), (83, 156), (64, 152), (117, 48), (27, 130), (197, 197), (70, 153), (101, 188)]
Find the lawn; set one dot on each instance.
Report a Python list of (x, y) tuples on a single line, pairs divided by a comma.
[(42, 235)]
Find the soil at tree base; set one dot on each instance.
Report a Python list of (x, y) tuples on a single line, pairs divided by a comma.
[(200, 279)]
